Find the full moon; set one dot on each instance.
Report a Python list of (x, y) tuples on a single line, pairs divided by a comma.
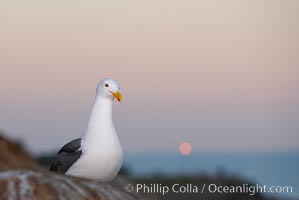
[(185, 148)]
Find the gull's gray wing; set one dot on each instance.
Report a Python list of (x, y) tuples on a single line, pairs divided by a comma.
[(67, 156)]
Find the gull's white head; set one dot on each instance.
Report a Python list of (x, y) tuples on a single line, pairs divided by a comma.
[(109, 88)]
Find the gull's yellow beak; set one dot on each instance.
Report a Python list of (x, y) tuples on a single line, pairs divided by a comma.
[(117, 95)]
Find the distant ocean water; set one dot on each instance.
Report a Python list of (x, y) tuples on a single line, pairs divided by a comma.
[(277, 169)]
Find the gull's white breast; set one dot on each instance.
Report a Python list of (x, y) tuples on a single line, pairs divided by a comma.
[(101, 158)]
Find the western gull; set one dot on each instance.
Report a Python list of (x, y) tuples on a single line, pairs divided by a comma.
[(97, 154)]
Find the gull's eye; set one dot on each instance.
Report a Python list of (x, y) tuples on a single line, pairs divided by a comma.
[(106, 85)]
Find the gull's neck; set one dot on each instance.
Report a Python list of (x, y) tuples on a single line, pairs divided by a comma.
[(100, 121)]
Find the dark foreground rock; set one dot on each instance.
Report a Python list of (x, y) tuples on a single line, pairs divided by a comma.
[(13, 156), (34, 185)]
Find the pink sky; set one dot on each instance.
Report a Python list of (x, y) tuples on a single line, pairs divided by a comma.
[(223, 76)]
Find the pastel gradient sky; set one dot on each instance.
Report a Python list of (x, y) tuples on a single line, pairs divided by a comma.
[(222, 75)]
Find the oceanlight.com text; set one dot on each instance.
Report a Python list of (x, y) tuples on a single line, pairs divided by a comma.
[(157, 188)]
